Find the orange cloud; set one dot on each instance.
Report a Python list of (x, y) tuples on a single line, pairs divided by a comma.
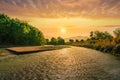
[(62, 8)]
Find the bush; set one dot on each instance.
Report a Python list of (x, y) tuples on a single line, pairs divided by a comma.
[(88, 45), (117, 49), (97, 47), (109, 48)]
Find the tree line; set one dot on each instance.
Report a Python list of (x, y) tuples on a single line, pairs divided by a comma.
[(55, 41), (16, 32)]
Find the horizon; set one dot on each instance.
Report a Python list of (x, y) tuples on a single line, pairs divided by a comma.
[(65, 18)]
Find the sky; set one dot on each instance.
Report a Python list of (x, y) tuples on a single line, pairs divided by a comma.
[(65, 18)]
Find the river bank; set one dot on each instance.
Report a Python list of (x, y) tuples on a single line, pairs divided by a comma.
[(29, 49), (110, 49)]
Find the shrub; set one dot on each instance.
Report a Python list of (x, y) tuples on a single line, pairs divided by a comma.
[(88, 45), (97, 47), (117, 49), (109, 48)]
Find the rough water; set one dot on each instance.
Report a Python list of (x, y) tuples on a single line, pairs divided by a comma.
[(73, 63)]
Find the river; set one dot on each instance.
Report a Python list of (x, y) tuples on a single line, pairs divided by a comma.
[(75, 63)]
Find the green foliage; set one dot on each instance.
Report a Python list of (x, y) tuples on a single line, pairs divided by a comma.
[(53, 41), (15, 32), (102, 41), (117, 49), (97, 35), (117, 32), (81, 40), (61, 41), (71, 40), (109, 48), (117, 36), (47, 41), (57, 41), (76, 40)]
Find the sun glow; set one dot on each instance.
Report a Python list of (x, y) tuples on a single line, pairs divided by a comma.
[(63, 30)]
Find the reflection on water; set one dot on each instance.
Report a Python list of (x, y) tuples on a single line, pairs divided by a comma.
[(66, 64)]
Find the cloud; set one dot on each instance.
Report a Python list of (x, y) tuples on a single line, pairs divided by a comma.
[(112, 26), (62, 8)]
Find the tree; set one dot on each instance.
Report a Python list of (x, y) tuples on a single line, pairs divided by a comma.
[(15, 32), (108, 36), (47, 41), (71, 40), (82, 40), (117, 32), (117, 35), (61, 41), (53, 41), (76, 40), (97, 35), (92, 35)]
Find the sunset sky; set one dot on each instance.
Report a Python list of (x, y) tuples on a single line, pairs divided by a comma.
[(65, 18)]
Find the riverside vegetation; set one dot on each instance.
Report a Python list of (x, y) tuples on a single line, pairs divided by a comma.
[(102, 41), (14, 32), (19, 33)]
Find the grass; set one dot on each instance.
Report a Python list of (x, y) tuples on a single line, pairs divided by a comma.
[(103, 46), (2, 52)]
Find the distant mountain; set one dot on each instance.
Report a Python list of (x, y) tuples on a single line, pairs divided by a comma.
[(76, 38)]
